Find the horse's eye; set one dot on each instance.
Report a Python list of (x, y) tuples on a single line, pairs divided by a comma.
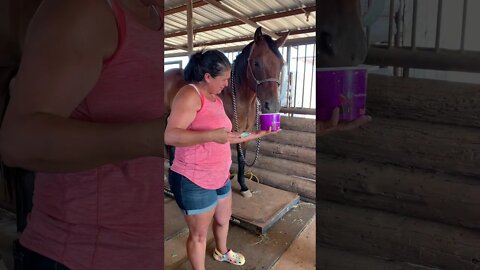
[(256, 64)]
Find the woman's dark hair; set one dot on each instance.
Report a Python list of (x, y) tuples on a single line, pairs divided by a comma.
[(213, 62)]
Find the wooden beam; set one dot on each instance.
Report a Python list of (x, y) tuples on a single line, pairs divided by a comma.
[(424, 58), (289, 42), (189, 26), (240, 16), (298, 123), (239, 22), (434, 101), (335, 259), (407, 143), (302, 186), (297, 138), (280, 165), (181, 8), (306, 111), (284, 151), (174, 47), (249, 38), (397, 237), (409, 192)]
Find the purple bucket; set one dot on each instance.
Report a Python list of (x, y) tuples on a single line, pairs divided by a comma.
[(268, 120), (341, 87)]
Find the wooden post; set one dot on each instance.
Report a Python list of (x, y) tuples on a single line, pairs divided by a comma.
[(190, 26)]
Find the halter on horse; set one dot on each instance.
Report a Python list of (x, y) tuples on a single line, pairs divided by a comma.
[(256, 74)]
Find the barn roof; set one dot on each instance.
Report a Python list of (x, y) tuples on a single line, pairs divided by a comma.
[(230, 24)]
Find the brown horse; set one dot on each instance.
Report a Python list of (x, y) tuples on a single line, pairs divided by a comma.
[(341, 40), (254, 89)]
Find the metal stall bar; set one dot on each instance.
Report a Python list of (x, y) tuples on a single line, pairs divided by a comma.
[(289, 90), (399, 32), (439, 25), (368, 27), (390, 23), (406, 70), (414, 24), (296, 79), (304, 72), (312, 87), (464, 25)]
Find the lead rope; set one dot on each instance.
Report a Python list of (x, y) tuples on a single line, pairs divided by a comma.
[(235, 117)]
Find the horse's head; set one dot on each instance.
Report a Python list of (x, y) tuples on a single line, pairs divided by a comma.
[(264, 65), (340, 36)]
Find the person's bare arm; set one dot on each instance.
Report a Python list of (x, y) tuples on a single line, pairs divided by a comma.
[(324, 127), (184, 109), (237, 138), (66, 44)]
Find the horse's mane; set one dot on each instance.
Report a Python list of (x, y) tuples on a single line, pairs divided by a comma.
[(240, 63)]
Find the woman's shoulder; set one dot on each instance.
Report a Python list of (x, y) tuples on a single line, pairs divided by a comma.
[(189, 95)]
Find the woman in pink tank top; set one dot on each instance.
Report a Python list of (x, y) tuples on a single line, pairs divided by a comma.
[(86, 115), (199, 177)]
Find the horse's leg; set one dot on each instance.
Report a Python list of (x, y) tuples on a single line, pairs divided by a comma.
[(171, 153), (241, 173)]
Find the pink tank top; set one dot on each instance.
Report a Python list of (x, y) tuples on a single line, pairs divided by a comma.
[(206, 164), (110, 217)]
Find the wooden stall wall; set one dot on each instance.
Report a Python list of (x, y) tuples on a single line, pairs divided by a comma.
[(287, 159), (405, 189)]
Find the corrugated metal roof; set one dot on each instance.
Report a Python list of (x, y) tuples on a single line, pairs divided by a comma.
[(216, 28)]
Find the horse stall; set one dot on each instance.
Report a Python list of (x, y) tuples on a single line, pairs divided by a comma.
[(274, 223), (403, 191)]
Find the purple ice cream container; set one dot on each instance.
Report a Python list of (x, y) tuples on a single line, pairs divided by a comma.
[(344, 87), (268, 120)]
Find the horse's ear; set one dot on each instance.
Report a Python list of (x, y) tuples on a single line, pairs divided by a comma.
[(258, 35), (281, 40)]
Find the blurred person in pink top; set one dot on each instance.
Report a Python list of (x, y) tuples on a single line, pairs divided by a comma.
[(86, 115), (199, 177)]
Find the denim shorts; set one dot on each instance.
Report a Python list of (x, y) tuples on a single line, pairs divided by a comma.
[(193, 199)]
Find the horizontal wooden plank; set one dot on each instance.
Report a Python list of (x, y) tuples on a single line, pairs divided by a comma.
[(279, 165), (334, 259), (289, 137), (302, 186), (436, 147), (297, 124), (306, 111), (434, 101), (289, 152), (411, 192), (376, 233)]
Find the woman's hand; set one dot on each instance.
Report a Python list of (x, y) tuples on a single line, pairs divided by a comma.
[(236, 137), (324, 127), (221, 135)]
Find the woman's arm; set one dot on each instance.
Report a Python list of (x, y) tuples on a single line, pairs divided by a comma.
[(184, 109), (66, 44)]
